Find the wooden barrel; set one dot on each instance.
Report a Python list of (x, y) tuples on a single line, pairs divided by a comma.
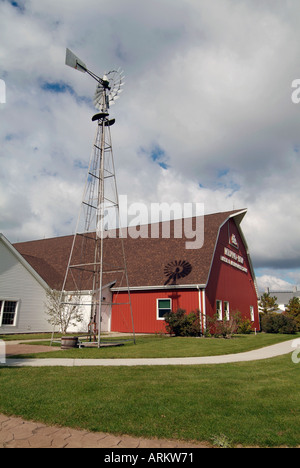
[(68, 342)]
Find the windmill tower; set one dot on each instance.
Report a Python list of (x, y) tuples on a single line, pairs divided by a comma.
[(91, 270)]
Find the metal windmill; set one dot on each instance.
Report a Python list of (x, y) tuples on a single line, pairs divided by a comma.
[(88, 265)]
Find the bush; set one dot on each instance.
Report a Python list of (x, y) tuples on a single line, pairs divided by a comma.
[(182, 324), (278, 323), (245, 327), (227, 328)]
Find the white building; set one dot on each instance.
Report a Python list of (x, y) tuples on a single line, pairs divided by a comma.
[(22, 294), (282, 297)]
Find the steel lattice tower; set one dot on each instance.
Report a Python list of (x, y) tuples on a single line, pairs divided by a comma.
[(89, 263)]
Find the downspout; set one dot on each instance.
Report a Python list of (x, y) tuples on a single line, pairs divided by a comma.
[(204, 310), (200, 310)]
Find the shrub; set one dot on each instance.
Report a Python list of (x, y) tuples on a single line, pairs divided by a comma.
[(182, 324), (278, 323), (245, 327), (227, 328)]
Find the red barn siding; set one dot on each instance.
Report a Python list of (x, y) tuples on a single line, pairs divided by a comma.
[(225, 283), (228, 283), (144, 305)]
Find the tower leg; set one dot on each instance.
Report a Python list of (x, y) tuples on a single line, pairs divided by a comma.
[(89, 267)]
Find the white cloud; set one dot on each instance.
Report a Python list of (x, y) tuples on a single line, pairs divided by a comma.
[(272, 283), (209, 83)]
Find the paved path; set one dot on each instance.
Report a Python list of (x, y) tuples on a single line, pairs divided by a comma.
[(17, 433), (16, 347), (262, 353)]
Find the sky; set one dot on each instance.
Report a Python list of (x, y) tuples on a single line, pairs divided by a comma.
[(209, 114)]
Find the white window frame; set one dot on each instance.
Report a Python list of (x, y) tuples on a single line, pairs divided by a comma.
[(2, 311), (252, 316), (219, 311), (226, 310), (160, 308)]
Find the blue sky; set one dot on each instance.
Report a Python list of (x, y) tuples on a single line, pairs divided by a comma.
[(58, 87), (157, 154), (206, 115)]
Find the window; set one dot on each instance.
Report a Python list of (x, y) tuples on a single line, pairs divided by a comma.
[(252, 313), (8, 310), (226, 310), (219, 310), (163, 307)]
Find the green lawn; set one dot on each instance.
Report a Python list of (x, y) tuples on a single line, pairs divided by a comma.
[(256, 403), (28, 336), (163, 346)]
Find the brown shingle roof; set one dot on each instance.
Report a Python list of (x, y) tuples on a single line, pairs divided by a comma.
[(146, 259)]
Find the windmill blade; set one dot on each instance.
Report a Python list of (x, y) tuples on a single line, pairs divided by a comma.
[(98, 93), (116, 83)]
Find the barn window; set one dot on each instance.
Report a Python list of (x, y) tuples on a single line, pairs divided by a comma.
[(163, 307), (252, 313), (219, 310), (8, 310), (226, 310)]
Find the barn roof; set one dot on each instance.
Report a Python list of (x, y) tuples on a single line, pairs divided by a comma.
[(150, 261)]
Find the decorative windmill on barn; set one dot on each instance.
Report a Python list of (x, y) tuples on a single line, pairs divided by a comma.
[(89, 269)]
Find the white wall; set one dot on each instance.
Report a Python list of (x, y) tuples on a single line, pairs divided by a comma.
[(18, 284), (82, 327), (85, 310)]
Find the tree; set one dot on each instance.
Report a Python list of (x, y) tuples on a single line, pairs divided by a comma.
[(61, 314), (293, 310), (267, 304)]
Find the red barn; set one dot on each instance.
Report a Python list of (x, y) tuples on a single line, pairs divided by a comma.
[(217, 278), (165, 273)]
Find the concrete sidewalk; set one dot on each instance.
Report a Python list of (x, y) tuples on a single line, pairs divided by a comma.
[(259, 354)]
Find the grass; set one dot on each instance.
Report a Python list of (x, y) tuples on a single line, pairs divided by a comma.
[(28, 336), (253, 404), (163, 346)]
